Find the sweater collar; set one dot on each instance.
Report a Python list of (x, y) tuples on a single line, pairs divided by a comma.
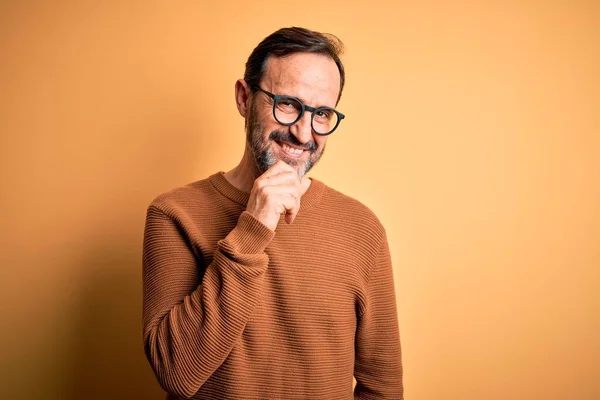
[(311, 198)]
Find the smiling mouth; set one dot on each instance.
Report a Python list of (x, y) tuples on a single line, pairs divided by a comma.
[(289, 150)]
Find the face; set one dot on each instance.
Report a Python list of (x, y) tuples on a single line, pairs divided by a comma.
[(312, 78)]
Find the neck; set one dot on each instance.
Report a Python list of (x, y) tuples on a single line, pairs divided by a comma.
[(244, 174)]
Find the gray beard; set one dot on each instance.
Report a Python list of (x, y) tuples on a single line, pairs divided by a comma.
[(263, 153)]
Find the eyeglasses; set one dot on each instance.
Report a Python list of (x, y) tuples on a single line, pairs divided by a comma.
[(288, 110)]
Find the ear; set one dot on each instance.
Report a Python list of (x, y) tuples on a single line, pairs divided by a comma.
[(242, 97)]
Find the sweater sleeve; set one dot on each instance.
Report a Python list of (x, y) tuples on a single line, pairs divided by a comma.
[(189, 328), (378, 364)]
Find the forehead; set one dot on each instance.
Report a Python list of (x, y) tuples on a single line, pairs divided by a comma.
[(313, 78)]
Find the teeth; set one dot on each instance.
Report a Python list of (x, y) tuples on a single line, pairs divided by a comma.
[(291, 150)]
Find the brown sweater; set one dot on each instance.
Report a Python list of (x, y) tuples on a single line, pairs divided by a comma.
[(233, 310)]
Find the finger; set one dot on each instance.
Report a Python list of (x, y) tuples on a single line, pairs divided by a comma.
[(280, 194), (282, 178), (279, 166), (292, 209), (290, 215), (284, 203)]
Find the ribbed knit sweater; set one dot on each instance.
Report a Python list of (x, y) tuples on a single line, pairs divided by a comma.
[(233, 310)]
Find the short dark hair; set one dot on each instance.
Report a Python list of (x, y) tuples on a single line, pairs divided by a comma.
[(287, 41)]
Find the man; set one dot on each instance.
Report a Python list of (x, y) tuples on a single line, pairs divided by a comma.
[(261, 283)]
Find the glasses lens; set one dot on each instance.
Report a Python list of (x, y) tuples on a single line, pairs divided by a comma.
[(324, 120), (287, 110)]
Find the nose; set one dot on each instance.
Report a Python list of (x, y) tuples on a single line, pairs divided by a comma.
[(302, 129)]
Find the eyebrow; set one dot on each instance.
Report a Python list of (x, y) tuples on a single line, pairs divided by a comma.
[(303, 101)]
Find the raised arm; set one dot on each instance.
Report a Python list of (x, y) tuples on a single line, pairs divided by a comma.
[(189, 328)]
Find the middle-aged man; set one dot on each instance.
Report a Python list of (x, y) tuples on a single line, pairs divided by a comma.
[(260, 283)]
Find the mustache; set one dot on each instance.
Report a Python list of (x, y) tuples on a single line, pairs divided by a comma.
[(288, 137)]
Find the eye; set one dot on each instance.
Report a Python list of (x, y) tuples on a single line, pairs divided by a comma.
[(324, 114), (289, 105)]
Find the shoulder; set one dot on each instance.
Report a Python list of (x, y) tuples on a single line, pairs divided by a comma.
[(351, 214), (192, 196)]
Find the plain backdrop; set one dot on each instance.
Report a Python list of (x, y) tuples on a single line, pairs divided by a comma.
[(472, 131)]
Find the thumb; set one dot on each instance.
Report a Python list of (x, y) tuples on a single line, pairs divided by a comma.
[(304, 180), (289, 217)]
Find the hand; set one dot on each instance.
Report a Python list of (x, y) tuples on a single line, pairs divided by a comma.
[(276, 191)]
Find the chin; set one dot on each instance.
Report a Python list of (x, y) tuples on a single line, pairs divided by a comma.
[(301, 166), (269, 157), (292, 162)]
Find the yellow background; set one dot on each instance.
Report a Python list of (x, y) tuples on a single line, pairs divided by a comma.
[(472, 131)]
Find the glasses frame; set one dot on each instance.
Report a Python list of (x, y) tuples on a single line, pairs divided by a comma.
[(277, 99)]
